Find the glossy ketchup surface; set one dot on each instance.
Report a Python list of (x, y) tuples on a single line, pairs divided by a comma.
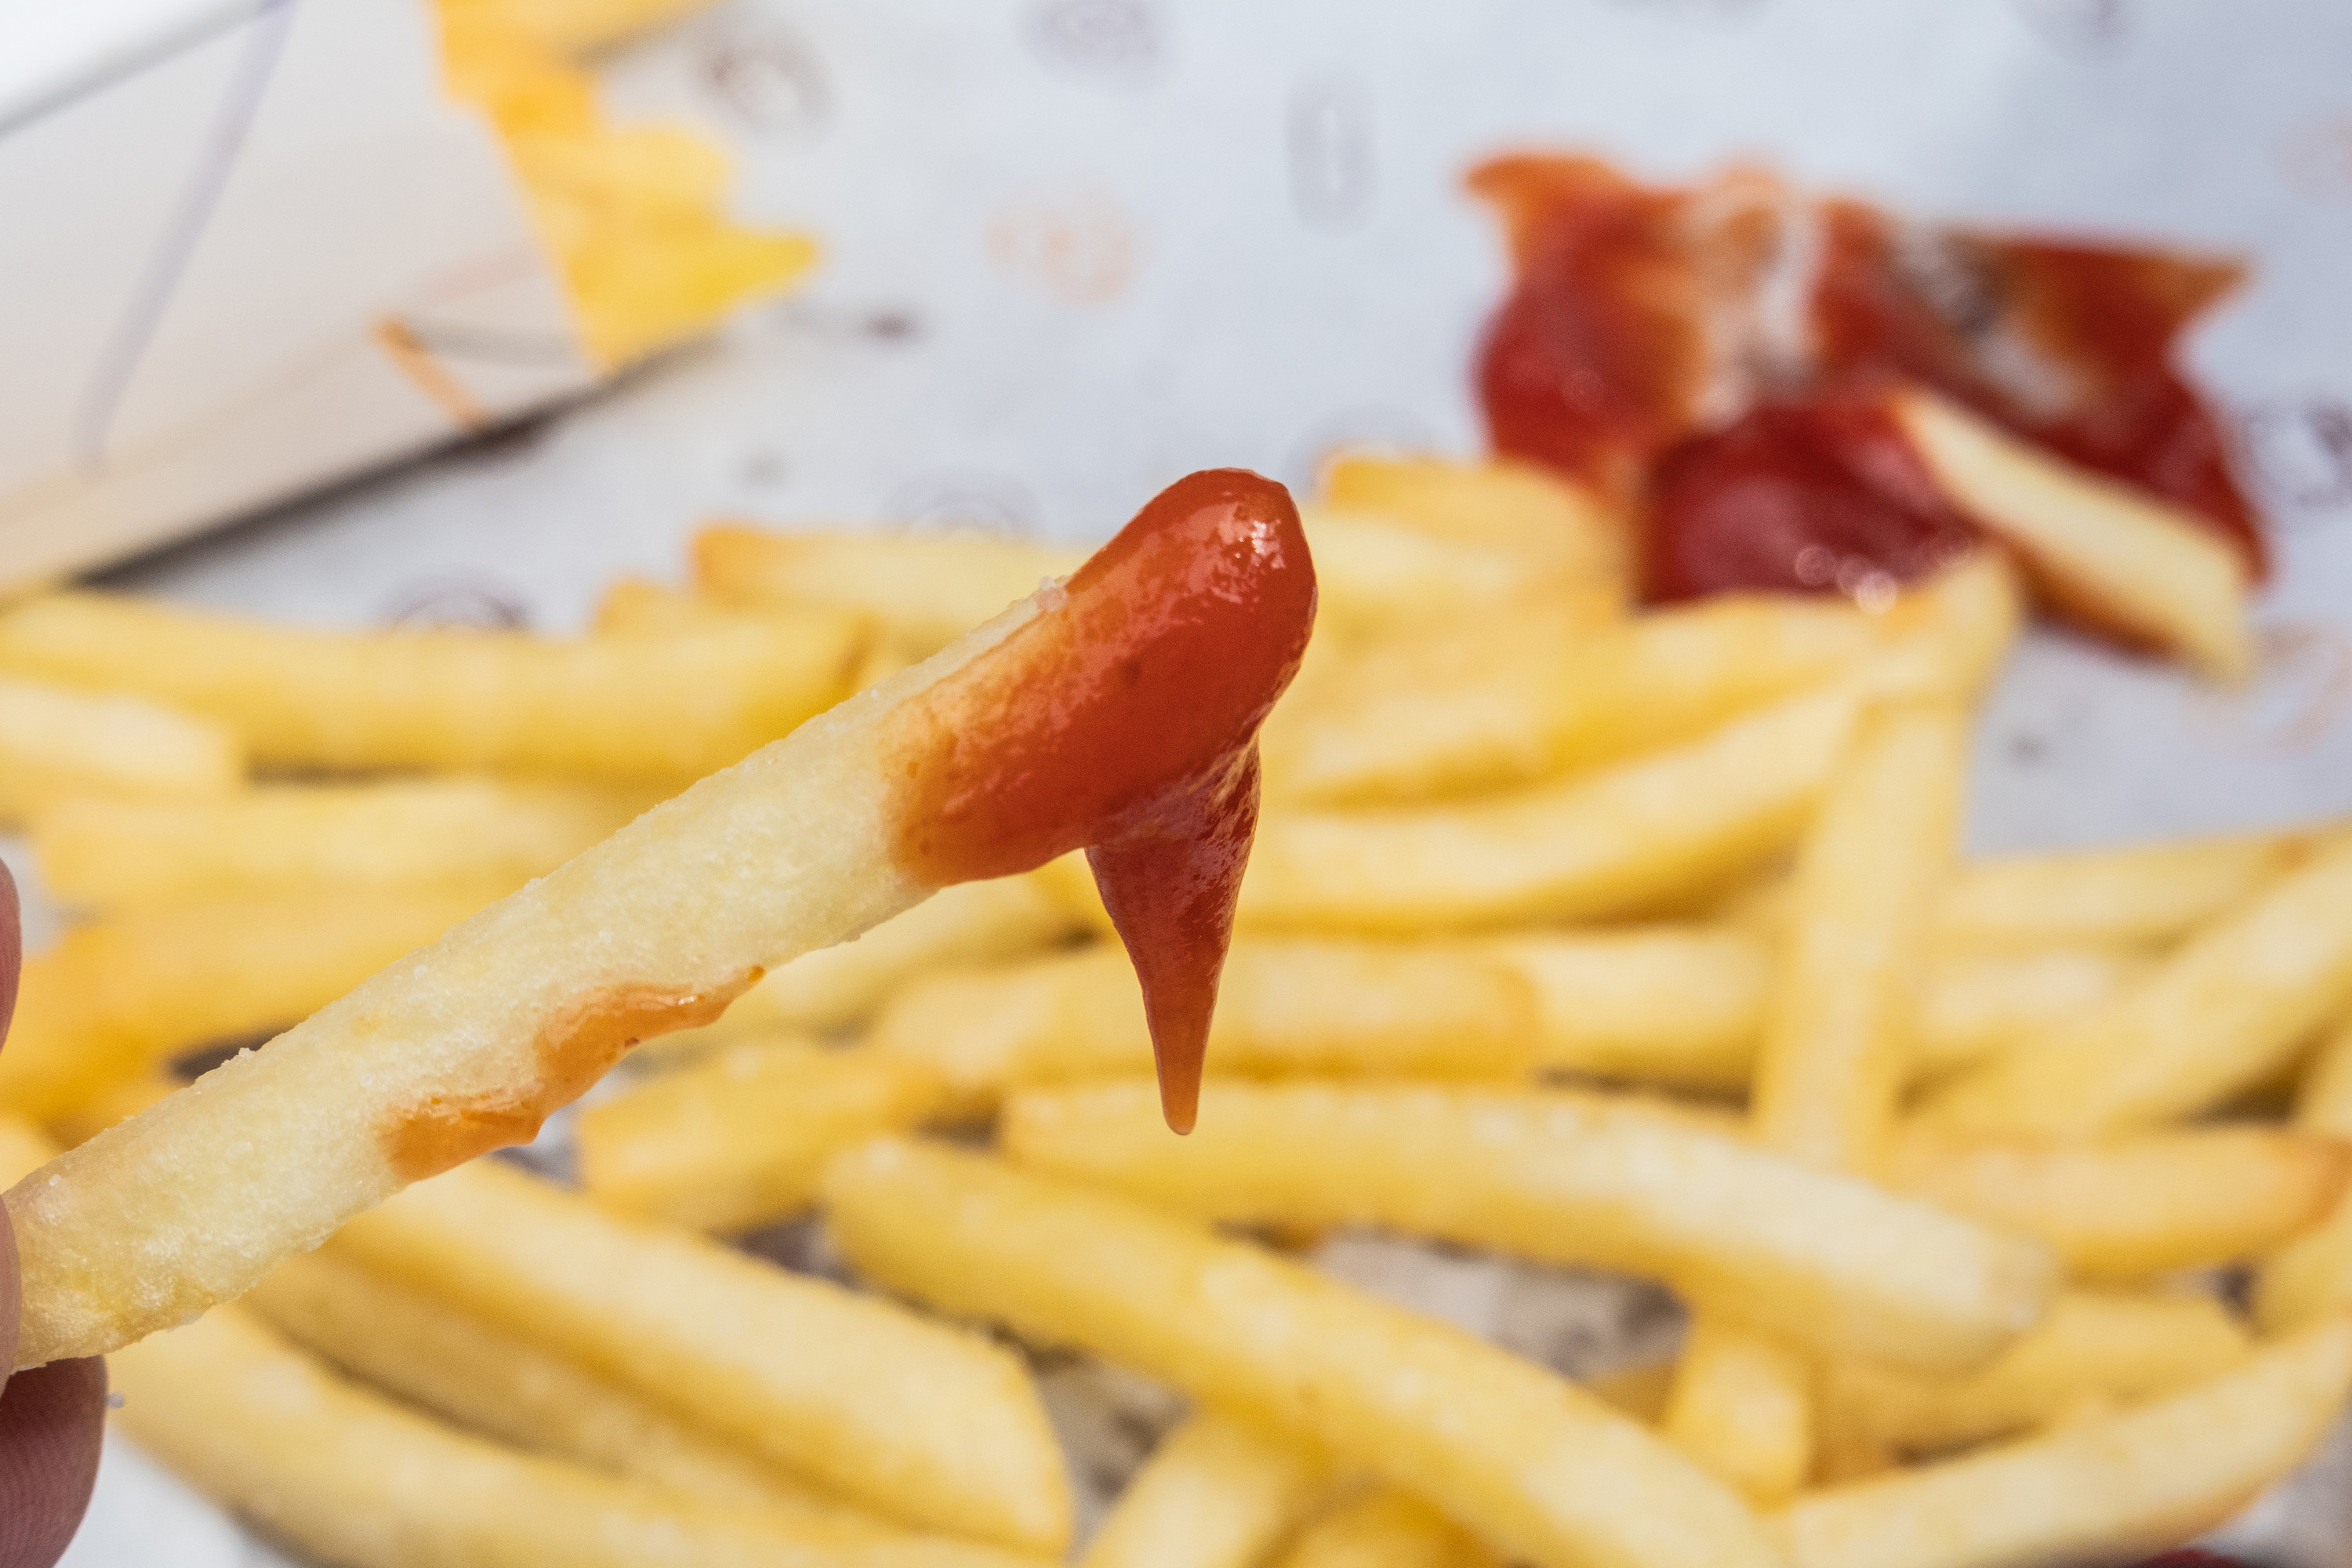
[(1123, 718)]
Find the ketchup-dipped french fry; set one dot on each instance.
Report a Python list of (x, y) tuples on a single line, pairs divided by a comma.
[(1118, 712)]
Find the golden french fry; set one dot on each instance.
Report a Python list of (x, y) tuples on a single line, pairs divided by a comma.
[(1512, 1451), (1385, 1528), (2143, 893), (116, 998), (1285, 1008), (1641, 1392), (23, 1149), (638, 604), (1742, 1407), (2119, 556), (915, 1420), (2227, 1010), (1826, 1261), (1382, 575), (1533, 689), (2138, 1207), (566, 26), (923, 590), (837, 987), (60, 745), (2108, 1488), (639, 287), (355, 837), (1840, 1027), (1977, 1004), (1610, 842), (2090, 1345), (656, 707), (418, 1348), (2323, 1101), (657, 170), (1496, 503), (85, 1119), (2311, 1275), (354, 1477), (739, 1141), (1218, 1492)]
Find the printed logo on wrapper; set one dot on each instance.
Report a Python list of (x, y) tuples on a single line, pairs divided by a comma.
[(1080, 246), (1333, 168), (2087, 29), (2314, 159), (771, 80), (1121, 41), (967, 500), (2299, 453), (491, 604), (2299, 695)]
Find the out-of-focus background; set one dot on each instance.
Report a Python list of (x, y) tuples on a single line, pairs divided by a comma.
[(1072, 249)]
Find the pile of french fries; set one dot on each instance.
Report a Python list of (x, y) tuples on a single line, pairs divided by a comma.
[(634, 217), (2007, 1197)]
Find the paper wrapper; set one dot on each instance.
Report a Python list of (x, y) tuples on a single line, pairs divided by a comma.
[(1078, 247)]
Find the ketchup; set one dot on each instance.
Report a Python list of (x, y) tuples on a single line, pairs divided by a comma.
[(1123, 718), (1619, 358)]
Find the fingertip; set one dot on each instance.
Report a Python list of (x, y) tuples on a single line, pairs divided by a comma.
[(52, 1424)]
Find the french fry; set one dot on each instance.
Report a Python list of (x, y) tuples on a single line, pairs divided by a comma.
[(567, 27), (2091, 1345), (1512, 1451), (916, 1421), (2116, 555), (417, 1348), (2323, 1101), (114, 999), (1741, 1406), (639, 288), (2108, 1488), (1682, 1005), (24, 1148), (468, 1045), (98, 854), (635, 606), (2311, 1275), (2227, 1010), (1285, 1008), (923, 590), (1385, 1528), (740, 1140), (354, 1477), (1498, 503), (1827, 1262), (1532, 690), (1218, 1492), (1839, 1028), (658, 170), (2147, 894), (2133, 1207), (657, 707), (1641, 1392), (1607, 844), (841, 987), (1382, 576), (120, 1103), (57, 744)]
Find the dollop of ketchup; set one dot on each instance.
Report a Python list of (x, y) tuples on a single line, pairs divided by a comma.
[(1123, 718), (1710, 356)]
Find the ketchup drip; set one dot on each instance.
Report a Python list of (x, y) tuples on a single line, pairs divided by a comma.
[(1123, 718)]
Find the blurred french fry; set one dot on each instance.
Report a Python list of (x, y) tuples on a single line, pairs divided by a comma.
[(1839, 1028), (1378, 575), (85, 1119), (1218, 1492), (1682, 1005), (1610, 842), (839, 987), (2116, 555), (658, 706), (23, 1149), (1496, 502), (567, 27), (923, 590), (917, 1421), (2090, 1345), (418, 1348), (655, 168), (1285, 1008), (641, 288), (1827, 1262), (356, 837), (118, 997), (2224, 1012), (1385, 1528), (2133, 1207), (267, 1431), (1533, 689), (1641, 1392), (2110, 1488), (1741, 1406), (1517, 1454), (739, 1141), (2312, 1275), (57, 744), (2149, 894)]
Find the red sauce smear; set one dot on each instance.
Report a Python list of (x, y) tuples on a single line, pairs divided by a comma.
[(1124, 719), (574, 1048), (1602, 364)]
